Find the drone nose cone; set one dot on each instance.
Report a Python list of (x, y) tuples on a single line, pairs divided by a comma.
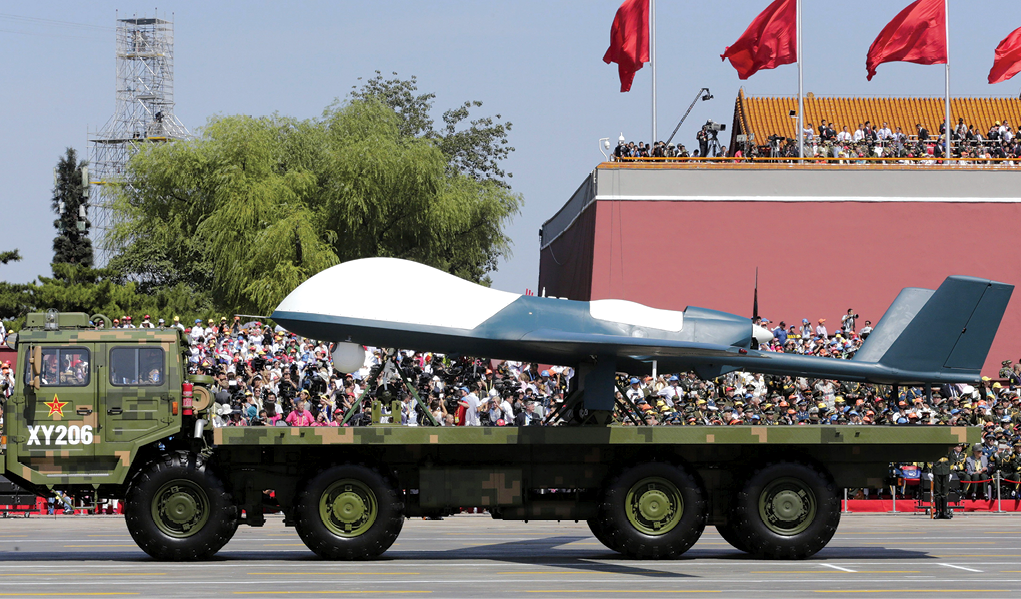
[(761, 334)]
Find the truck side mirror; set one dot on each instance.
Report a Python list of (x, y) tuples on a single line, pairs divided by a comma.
[(36, 360)]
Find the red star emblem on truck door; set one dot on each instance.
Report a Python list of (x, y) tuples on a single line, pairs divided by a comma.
[(56, 406)]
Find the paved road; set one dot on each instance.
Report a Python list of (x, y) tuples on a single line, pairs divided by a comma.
[(472, 556)]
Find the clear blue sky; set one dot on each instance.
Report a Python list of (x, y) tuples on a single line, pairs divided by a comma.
[(538, 63)]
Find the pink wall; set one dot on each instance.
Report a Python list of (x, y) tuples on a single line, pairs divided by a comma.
[(815, 259)]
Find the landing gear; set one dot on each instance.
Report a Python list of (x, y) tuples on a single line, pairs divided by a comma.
[(786, 510), (349, 512), (178, 510), (654, 510)]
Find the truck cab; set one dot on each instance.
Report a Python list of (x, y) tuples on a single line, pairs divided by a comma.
[(88, 399)]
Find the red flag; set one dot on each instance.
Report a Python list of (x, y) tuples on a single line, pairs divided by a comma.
[(770, 41), (1008, 58), (918, 34), (629, 40)]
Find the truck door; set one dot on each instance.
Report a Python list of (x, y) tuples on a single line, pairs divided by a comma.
[(136, 399), (60, 416)]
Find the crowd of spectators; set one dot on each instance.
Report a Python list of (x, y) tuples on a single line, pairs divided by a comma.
[(265, 376), (840, 144)]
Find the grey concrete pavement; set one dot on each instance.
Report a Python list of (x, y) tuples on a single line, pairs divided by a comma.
[(973, 555)]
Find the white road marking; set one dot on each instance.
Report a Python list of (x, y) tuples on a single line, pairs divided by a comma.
[(960, 567), (838, 568)]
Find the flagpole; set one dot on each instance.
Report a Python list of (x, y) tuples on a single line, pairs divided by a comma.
[(801, 96), (946, 14), (652, 59)]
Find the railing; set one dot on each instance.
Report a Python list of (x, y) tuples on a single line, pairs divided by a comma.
[(816, 162)]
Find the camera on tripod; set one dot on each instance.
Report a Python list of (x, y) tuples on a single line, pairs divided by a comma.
[(714, 127)]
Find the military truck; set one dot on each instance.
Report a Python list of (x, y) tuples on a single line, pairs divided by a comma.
[(113, 413)]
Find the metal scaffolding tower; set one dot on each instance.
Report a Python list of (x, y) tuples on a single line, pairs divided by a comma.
[(144, 113)]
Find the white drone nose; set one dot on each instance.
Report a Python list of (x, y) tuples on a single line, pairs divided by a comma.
[(761, 334)]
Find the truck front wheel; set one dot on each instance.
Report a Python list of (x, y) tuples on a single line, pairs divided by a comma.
[(177, 510), (349, 512), (786, 510), (653, 510)]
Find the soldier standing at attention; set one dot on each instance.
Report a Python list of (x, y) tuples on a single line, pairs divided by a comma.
[(1011, 470), (941, 489)]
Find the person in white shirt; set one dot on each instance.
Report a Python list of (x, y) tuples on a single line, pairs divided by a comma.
[(634, 391), (508, 410), (859, 134), (820, 330), (471, 405), (197, 330), (844, 136), (884, 133)]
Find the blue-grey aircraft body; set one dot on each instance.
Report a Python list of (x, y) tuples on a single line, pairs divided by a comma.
[(926, 336)]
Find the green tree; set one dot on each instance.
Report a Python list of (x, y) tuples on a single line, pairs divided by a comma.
[(72, 244), (10, 256), (475, 150), (14, 297), (257, 205)]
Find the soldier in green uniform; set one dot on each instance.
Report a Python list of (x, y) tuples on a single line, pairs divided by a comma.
[(941, 488), (1011, 470)]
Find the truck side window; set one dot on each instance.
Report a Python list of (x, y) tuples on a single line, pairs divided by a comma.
[(64, 367), (136, 366)]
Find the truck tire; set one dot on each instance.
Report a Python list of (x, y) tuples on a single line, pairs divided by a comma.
[(731, 536), (654, 510), (349, 512), (600, 534), (786, 510), (177, 510)]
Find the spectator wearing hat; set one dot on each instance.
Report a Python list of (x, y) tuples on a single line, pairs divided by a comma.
[(634, 391), (820, 329), (221, 416), (976, 468), (470, 402)]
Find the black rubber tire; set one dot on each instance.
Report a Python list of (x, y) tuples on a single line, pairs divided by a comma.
[(762, 542), (731, 536), (600, 534), (628, 540), (218, 529), (370, 544)]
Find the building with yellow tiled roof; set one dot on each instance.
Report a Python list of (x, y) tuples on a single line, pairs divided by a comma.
[(765, 116)]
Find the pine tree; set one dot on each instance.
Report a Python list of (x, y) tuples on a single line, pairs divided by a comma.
[(72, 244)]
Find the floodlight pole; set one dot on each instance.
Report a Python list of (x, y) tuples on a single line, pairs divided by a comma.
[(801, 95), (946, 128), (652, 60)]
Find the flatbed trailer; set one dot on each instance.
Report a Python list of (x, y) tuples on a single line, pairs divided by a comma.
[(114, 414)]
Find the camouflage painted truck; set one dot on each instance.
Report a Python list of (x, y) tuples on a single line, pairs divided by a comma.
[(114, 413)]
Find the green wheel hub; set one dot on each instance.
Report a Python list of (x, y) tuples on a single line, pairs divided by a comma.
[(654, 506), (787, 506), (348, 508), (180, 508)]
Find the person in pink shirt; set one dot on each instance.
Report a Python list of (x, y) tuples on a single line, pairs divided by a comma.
[(300, 416)]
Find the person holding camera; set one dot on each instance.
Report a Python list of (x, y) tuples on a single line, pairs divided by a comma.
[(847, 321), (702, 137)]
